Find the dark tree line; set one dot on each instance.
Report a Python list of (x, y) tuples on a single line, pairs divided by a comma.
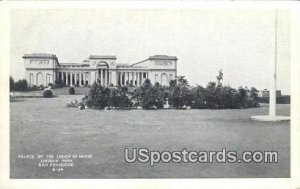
[(179, 94), (20, 85)]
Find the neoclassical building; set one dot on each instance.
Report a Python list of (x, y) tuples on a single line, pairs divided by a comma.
[(42, 69)]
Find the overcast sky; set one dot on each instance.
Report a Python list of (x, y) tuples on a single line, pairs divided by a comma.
[(240, 42)]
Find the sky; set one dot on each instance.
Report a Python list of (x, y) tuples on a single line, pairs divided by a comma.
[(240, 42)]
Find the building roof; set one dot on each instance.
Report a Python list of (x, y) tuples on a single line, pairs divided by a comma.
[(122, 64), (72, 64), (102, 57), (157, 57), (162, 57), (39, 55)]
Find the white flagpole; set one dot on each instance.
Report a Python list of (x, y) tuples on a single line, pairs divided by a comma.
[(272, 95)]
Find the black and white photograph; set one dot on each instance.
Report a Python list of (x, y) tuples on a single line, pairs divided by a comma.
[(149, 93)]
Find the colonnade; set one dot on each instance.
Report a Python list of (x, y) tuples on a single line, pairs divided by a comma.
[(71, 78), (134, 78), (103, 76)]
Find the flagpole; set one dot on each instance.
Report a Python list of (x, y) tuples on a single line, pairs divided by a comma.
[(272, 93)]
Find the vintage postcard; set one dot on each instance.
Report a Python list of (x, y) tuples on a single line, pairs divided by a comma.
[(157, 92)]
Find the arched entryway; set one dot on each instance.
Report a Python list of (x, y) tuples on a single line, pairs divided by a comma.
[(39, 79), (164, 79), (103, 73)]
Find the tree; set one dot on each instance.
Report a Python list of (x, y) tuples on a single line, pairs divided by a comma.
[(172, 84), (242, 97), (253, 98), (198, 94), (20, 85), (100, 97), (228, 97), (11, 83), (220, 76), (180, 93), (95, 98), (210, 95), (147, 81)]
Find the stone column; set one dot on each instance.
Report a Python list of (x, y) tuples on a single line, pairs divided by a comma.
[(62, 77), (143, 79), (67, 82), (99, 76), (125, 78), (89, 78), (107, 77), (96, 76), (80, 79), (102, 77), (71, 79), (129, 78), (111, 78), (84, 78), (124, 73), (75, 78), (121, 77), (82, 75), (133, 78)]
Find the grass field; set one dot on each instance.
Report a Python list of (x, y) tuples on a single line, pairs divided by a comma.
[(47, 126)]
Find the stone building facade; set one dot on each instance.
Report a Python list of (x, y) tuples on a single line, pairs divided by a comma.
[(42, 69)]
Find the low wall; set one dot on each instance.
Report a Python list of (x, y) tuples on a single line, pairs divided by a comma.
[(284, 99), (29, 94)]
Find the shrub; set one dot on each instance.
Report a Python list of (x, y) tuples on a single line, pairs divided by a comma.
[(33, 88), (72, 90), (180, 94), (41, 87), (99, 97), (48, 93), (52, 85)]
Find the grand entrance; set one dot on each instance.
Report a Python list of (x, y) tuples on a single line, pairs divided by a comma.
[(103, 73)]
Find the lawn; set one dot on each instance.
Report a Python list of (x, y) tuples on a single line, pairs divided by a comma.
[(47, 126)]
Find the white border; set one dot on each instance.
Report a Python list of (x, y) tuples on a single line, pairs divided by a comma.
[(5, 182)]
